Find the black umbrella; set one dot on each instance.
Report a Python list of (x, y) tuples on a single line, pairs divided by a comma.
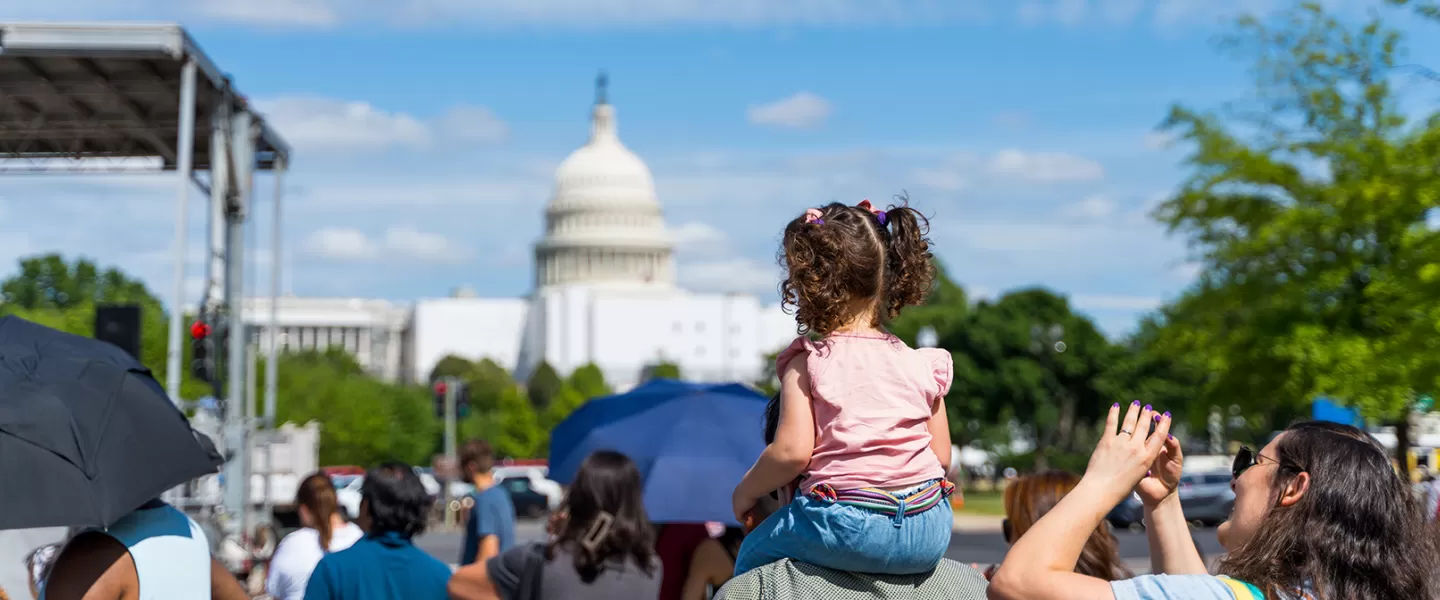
[(86, 433)]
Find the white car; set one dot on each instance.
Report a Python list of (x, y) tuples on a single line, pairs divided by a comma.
[(347, 490), (538, 482)]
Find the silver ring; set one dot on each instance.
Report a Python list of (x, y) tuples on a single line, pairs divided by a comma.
[(1127, 432)]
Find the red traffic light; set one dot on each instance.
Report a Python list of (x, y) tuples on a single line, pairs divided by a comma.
[(440, 388), (199, 330)]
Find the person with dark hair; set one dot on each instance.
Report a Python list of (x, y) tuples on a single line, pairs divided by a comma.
[(862, 415), (323, 530), (385, 564), (1028, 498), (602, 546), (787, 579), (713, 564), (490, 526), (1319, 513)]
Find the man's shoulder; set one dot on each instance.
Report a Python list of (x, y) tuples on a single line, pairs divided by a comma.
[(791, 580)]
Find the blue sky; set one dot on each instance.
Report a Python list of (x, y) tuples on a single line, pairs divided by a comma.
[(427, 131)]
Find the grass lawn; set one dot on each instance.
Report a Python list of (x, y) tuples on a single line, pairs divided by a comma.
[(983, 503)]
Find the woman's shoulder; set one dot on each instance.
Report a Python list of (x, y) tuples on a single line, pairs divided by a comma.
[(1172, 587)]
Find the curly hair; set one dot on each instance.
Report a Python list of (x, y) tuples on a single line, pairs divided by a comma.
[(1357, 533), (834, 265)]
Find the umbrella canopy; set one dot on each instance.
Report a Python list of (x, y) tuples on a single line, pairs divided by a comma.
[(692, 443), (86, 434)]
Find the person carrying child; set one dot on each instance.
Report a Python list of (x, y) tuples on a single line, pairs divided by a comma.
[(862, 415)]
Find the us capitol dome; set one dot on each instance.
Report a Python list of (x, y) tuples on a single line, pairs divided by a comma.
[(603, 225)]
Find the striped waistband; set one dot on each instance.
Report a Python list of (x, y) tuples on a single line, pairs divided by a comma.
[(884, 502)]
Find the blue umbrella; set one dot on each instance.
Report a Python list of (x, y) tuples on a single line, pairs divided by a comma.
[(692, 442)]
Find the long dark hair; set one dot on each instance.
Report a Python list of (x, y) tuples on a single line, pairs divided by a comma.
[(607, 488), (317, 494), (1358, 533), (1030, 497)]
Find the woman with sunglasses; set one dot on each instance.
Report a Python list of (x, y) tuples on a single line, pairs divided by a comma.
[(1319, 514)]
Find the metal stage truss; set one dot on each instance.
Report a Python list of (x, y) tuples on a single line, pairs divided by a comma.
[(81, 98)]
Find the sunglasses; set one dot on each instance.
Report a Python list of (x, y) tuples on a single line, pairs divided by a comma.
[(1244, 459)]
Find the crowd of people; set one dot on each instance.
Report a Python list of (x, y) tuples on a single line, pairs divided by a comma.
[(849, 499)]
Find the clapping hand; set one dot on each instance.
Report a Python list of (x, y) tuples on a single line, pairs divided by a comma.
[(1128, 448), (1164, 476)]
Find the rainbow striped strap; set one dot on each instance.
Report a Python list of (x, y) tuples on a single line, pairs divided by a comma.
[(1242, 590), (884, 502)]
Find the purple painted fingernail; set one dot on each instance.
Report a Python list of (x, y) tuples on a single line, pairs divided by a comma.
[(1172, 437), (1147, 473), (1147, 407), (1116, 405), (1135, 403), (1167, 414), (1157, 418)]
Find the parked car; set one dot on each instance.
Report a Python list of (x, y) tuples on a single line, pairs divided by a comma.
[(1205, 497), (528, 502), (537, 475)]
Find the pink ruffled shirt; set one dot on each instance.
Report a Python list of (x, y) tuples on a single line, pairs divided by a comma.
[(872, 397)]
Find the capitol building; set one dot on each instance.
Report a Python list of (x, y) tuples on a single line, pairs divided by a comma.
[(604, 293)]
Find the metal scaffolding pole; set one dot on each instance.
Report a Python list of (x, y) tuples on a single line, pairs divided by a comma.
[(237, 469), (185, 144), (272, 354)]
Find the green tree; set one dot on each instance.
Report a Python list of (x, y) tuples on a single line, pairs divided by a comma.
[(589, 382), (1310, 221), (565, 402), (944, 309), (1004, 371), (363, 420), (662, 370), (517, 432), (542, 386), (486, 380), (451, 366)]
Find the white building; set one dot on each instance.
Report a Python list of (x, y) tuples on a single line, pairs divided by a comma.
[(604, 293)]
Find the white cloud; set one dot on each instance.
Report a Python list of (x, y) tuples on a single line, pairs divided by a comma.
[(1158, 140), (329, 124), (632, 14), (1065, 12), (1050, 167), (318, 13), (941, 179), (1097, 302), (696, 234), (339, 243), (474, 123), (1093, 207), (734, 275), (352, 245), (801, 110)]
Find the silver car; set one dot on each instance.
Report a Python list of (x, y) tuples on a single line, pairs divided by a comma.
[(1206, 497)]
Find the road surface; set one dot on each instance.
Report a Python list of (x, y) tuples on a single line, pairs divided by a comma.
[(965, 547)]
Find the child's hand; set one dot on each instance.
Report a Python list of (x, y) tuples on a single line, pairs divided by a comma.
[(741, 505)]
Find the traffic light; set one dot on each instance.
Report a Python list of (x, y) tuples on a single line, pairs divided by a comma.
[(202, 356), (440, 388), (462, 401)]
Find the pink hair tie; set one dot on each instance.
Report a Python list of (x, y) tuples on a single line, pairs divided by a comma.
[(812, 215)]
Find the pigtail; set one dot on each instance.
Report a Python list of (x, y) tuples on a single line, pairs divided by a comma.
[(910, 267)]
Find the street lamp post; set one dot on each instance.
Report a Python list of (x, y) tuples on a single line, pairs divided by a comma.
[(1043, 339)]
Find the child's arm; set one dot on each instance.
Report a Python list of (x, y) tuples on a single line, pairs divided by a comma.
[(939, 426), (786, 457)]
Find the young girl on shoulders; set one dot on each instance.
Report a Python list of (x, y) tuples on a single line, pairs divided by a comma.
[(862, 415)]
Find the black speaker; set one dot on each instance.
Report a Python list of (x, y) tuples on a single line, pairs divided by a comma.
[(119, 324)]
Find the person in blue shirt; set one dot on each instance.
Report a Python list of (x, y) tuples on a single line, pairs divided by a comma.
[(385, 564), (490, 527)]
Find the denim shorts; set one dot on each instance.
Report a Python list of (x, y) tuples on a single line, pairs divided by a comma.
[(850, 538)]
